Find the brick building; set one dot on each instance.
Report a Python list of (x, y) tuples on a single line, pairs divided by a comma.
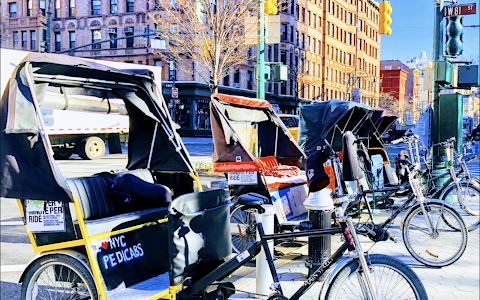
[(332, 48)]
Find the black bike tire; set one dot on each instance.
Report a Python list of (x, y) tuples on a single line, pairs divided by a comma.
[(463, 230), (236, 248), (450, 188), (58, 260), (378, 260)]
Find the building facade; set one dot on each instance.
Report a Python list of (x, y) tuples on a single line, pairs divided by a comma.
[(331, 48)]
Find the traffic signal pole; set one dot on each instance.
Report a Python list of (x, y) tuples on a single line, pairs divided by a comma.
[(261, 50), (437, 157)]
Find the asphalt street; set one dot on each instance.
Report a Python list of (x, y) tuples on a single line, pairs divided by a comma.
[(15, 247)]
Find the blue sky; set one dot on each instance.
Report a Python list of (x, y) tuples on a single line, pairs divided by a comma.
[(412, 30)]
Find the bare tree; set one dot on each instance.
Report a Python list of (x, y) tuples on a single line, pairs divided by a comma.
[(303, 78), (208, 34), (388, 101)]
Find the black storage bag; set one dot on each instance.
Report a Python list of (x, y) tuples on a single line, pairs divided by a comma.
[(199, 230)]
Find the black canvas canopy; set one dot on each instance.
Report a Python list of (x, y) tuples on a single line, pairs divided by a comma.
[(28, 170), (376, 125), (325, 122)]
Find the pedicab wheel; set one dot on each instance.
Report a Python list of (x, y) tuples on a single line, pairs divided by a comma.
[(391, 279), (63, 153), (447, 242), (91, 148), (58, 277), (243, 228)]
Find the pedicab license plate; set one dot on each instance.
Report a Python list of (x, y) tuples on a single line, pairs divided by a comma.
[(242, 178)]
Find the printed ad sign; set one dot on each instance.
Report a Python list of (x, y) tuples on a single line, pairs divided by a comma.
[(45, 216)]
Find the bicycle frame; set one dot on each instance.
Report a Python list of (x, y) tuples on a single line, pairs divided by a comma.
[(351, 243)]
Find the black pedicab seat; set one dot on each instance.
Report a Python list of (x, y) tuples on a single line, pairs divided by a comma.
[(101, 213)]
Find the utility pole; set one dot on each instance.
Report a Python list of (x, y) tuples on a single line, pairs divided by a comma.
[(437, 157), (261, 50)]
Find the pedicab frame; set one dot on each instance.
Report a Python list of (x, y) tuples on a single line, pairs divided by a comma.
[(26, 151)]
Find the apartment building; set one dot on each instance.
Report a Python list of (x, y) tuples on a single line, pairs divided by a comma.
[(332, 48)]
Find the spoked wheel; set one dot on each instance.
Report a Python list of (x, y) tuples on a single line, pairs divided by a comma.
[(391, 279), (58, 277), (442, 247), (470, 208), (243, 227)]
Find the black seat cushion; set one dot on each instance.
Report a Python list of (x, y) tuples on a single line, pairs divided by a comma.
[(93, 195), (141, 194)]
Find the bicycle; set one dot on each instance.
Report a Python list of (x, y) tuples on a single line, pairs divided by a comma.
[(463, 193), (428, 223), (359, 275)]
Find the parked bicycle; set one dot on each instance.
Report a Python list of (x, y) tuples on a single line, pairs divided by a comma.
[(433, 231)]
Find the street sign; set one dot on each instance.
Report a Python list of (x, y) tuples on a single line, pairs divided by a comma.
[(177, 101), (459, 10), (174, 92)]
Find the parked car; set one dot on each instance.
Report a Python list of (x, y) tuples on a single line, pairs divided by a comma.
[(291, 122)]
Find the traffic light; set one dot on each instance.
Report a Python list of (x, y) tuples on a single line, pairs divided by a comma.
[(42, 46), (385, 20), (270, 7), (207, 48), (454, 36)]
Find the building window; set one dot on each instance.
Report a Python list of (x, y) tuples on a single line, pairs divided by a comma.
[(12, 9), (41, 5), (297, 11), (172, 71), (96, 37), (291, 34), (303, 15), (113, 6), (249, 80), (57, 41), (29, 8), (283, 57), (130, 6), (303, 41), (71, 39), (292, 8), (236, 78), (113, 35), (130, 40), (15, 40), (297, 39), (284, 32), (226, 79), (57, 9), (33, 40), (96, 7), (283, 88), (71, 8), (24, 40)]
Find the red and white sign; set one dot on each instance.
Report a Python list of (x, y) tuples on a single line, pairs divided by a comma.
[(174, 92), (459, 10)]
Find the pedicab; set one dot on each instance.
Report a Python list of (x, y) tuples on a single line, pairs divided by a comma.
[(255, 150), (113, 235)]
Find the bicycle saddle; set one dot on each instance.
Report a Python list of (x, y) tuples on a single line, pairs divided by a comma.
[(253, 200)]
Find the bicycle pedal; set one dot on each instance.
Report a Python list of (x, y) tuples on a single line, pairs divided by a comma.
[(393, 238)]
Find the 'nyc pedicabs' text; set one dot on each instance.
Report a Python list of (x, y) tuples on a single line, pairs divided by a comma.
[(124, 254)]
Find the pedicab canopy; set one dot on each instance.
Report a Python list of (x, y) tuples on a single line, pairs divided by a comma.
[(244, 129), (326, 122), (376, 125), (28, 170)]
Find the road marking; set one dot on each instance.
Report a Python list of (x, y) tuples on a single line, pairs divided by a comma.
[(12, 268), (11, 223)]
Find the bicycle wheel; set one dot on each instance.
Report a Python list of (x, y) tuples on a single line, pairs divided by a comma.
[(470, 208), (58, 277), (243, 227), (391, 279), (448, 241)]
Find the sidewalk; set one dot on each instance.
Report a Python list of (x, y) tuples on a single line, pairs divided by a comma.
[(458, 281)]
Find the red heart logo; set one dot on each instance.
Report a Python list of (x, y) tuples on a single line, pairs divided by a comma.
[(105, 245)]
